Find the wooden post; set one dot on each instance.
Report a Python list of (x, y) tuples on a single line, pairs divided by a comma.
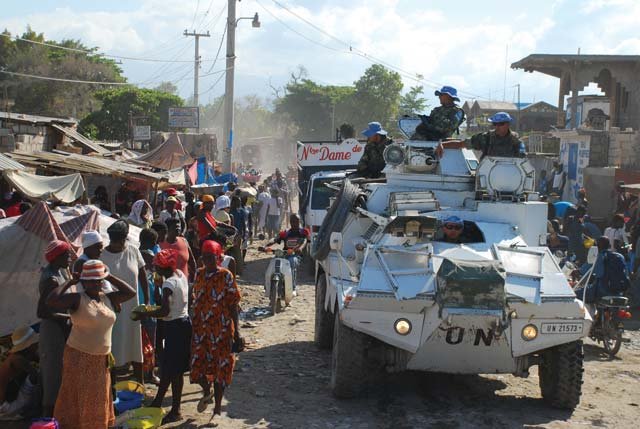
[(155, 195)]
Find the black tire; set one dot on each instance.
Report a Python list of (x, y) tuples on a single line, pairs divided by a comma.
[(323, 334), (274, 300), (335, 219), (611, 338), (349, 372), (560, 372)]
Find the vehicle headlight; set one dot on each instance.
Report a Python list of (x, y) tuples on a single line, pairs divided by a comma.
[(402, 326), (529, 332), (393, 154)]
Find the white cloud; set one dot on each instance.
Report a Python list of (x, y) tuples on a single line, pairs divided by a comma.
[(447, 44)]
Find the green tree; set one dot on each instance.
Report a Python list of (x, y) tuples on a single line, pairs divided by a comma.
[(412, 103), (111, 122), (49, 97), (314, 109), (377, 97), (167, 87)]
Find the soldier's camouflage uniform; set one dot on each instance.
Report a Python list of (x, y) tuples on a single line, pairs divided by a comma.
[(440, 124), (372, 162), (493, 145)]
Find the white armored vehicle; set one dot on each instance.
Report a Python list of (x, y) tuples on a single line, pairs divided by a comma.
[(393, 294)]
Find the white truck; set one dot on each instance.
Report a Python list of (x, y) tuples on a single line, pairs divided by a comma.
[(392, 294), (319, 163)]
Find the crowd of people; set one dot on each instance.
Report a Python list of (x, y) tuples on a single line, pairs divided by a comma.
[(160, 309), (572, 231)]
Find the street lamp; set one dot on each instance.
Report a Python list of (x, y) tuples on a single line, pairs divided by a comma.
[(232, 23)]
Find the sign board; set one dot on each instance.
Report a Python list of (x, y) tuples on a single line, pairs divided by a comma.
[(184, 117), (316, 154), (142, 132)]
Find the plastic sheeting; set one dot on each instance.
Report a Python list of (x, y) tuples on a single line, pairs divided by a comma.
[(168, 155), (23, 241), (59, 188)]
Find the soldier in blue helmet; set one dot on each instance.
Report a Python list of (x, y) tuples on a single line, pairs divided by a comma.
[(372, 162), (444, 120), (500, 141)]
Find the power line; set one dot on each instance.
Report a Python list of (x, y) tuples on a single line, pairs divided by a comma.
[(359, 52), (219, 48), (298, 33), (206, 13), (213, 86), (195, 14), (57, 79), (90, 52)]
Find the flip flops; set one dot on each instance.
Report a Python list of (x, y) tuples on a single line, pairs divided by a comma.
[(204, 401)]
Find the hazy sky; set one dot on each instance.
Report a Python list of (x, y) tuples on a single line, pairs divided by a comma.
[(461, 43)]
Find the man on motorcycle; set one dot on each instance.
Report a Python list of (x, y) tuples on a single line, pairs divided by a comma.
[(610, 273), (294, 239)]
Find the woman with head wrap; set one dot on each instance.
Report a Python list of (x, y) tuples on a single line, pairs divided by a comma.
[(54, 326), (85, 399), (215, 327), (174, 312), (92, 246), (141, 214), (125, 261)]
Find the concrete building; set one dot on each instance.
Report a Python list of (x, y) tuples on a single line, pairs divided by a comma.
[(479, 111), (589, 107), (540, 116), (618, 76)]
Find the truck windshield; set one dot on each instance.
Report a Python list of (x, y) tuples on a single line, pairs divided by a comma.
[(320, 194)]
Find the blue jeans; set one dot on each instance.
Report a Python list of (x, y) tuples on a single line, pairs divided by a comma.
[(294, 260)]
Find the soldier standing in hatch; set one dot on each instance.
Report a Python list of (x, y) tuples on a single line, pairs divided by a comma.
[(500, 141), (372, 162), (444, 120)]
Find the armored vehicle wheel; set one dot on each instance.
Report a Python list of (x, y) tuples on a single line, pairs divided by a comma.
[(334, 220), (323, 335), (560, 372), (348, 360)]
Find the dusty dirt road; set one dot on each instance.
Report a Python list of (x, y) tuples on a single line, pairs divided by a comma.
[(282, 381)]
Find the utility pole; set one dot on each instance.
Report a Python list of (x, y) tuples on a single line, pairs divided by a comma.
[(228, 84), (196, 69), (518, 124), (232, 23)]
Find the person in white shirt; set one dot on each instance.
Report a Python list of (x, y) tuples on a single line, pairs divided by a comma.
[(171, 212), (274, 206), (174, 312), (221, 213), (263, 198), (617, 235)]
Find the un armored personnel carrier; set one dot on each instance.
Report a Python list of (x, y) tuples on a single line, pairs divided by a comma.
[(393, 295)]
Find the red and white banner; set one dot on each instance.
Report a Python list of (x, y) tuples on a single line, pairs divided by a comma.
[(348, 152)]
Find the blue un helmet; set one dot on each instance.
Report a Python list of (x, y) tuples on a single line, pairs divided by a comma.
[(500, 117), (448, 90), (374, 128)]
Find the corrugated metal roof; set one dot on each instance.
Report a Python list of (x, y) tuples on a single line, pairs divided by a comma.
[(8, 164), (86, 164), (74, 135), (35, 119)]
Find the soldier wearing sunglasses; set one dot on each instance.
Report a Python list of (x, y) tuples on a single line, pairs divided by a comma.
[(452, 229), (500, 141)]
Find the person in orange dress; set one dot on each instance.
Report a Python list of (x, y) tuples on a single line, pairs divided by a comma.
[(215, 327)]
